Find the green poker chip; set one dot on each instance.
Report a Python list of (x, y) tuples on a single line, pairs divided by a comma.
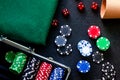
[(18, 63), (103, 43), (9, 57)]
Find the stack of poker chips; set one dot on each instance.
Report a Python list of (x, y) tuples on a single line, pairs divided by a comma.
[(44, 71), (34, 70), (61, 40), (57, 74), (108, 71), (31, 69), (18, 63)]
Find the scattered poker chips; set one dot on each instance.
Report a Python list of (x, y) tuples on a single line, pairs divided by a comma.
[(9, 57), (83, 66), (57, 74), (94, 32), (97, 57), (85, 48), (60, 41), (44, 71), (31, 69), (108, 71), (18, 63), (65, 50), (103, 43), (65, 30)]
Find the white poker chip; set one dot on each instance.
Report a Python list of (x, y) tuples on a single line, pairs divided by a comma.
[(65, 30), (60, 41), (85, 48), (97, 57), (65, 50)]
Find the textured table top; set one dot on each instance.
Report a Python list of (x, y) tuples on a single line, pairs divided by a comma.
[(79, 23)]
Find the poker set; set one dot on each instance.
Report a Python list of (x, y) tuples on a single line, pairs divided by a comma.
[(37, 67), (27, 64)]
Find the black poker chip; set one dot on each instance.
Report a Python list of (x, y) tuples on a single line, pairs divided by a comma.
[(65, 30), (31, 69), (107, 67), (65, 50), (107, 77), (112, 73), (60, 41), (97, 57), (109, 72)]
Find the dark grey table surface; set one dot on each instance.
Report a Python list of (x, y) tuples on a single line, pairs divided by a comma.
[(79, 23)]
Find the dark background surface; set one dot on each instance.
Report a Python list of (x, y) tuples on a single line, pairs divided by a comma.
[(79, 23)]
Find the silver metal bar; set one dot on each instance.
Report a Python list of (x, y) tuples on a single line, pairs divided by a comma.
[(30, 51)]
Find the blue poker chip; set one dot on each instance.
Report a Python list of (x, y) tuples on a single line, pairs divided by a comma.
[(60, 41), (65, 30), (85, 48), (83, 66), (57, 74)]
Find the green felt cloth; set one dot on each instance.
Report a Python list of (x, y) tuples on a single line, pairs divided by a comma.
[(27, 20)]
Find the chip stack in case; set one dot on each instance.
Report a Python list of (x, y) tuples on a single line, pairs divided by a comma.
[(9, 57), (97, 57), (65, 30), (60, 41), (18, 63), (103, 43), (44, 71), (94, 32), (57, 74), (65, 50), (31, 69), (85, 48), (83, 66), (108, 71)]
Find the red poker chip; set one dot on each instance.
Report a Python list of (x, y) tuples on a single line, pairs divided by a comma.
[(94, 32), (44, 71)]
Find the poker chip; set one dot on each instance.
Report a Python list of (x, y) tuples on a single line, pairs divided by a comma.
[(57, 74), (65, 50), (97, 57), (9, 57), (60, 41), (109, 72), (103, 43), (94, 32), (85, 48), (18, 63), (44, 71), (107, 67), (65, 30), (31, 70), (83, 66), (104, 77)]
